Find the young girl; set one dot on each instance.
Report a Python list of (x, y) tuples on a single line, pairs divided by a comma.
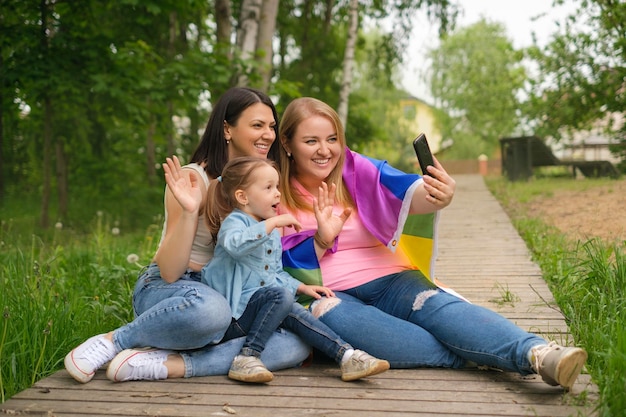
[(247, 270)]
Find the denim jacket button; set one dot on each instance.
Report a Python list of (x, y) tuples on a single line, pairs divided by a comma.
[(267, 267), (269, 251), (262, 283)]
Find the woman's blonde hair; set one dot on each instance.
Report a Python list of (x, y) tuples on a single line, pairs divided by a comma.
[(238, 174), (295, 113)]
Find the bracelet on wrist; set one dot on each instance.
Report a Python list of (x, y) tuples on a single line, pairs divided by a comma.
[(324, 245)]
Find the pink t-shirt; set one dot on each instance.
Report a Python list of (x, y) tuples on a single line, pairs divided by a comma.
[(360, 257)]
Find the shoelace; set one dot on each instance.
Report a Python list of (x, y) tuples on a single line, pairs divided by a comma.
[(98, 353), (540, 353), (147, 365)]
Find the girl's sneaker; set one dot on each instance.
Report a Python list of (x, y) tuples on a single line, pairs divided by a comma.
[(362, 364), (249, 369)]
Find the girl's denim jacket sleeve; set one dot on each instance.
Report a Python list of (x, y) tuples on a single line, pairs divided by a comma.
[(246, 258)]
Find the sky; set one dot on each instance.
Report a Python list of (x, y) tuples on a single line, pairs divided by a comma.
[(518, 18)]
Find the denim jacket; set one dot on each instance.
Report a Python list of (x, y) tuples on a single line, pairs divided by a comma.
[(246, 258)]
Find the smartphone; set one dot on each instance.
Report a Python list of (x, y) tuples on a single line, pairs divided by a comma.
[(422, 150)]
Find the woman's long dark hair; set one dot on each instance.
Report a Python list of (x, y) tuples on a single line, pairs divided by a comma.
[(212, 149)]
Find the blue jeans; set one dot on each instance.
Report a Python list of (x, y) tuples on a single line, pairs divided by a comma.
[(190, 317), (407, 320), (273, 307)]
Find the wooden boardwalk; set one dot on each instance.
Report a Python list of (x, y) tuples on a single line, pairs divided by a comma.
[(480, 255)]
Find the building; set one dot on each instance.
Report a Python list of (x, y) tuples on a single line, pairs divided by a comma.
[(420, 117)]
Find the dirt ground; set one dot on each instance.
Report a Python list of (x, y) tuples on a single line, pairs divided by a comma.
[(593, 213)]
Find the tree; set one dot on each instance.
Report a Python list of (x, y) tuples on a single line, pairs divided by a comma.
[(475, 77), (267, 28), (90, 90), (84, 78), (580, 77), (348, 62)]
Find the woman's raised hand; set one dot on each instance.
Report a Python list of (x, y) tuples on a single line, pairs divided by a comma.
[(185, 188), (328, 224)]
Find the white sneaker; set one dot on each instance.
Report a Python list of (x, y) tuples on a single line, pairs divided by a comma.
[(558, 365), (138, 364), (362, 364), (83, 362)]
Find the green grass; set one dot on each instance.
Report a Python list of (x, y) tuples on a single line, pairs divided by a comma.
[(60, 288), (507, 297), (588, 280)]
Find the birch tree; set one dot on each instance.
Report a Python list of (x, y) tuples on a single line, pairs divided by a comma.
[(267, 27), (248, 32), (348, 62)]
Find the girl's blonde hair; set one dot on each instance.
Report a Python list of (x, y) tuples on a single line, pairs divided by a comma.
[(295, 113), (220, 199)]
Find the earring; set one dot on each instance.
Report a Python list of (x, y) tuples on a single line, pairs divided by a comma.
[(227, 141), (288, 154)]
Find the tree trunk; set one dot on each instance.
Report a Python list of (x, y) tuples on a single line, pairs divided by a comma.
[(151, 152), (223, 47), (267, 27), (1, 135), (348, 63), (248, 32), (224, 28), (305, 19), (169, 125), (328, 16), (44, 219), (62, 180), (171, 146), (46, 168)]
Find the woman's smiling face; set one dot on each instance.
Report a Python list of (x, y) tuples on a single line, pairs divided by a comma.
[(315, 150), (254, 133)]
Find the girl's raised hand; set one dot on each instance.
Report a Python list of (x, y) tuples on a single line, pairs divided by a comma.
[(185, 188)]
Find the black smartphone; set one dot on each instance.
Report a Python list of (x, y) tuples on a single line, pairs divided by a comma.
[(422, 150)]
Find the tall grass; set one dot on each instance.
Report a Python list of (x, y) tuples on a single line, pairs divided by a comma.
[(588, 280), (60, 289)]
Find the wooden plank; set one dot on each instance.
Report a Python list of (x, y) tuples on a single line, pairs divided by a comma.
[(316, 389)]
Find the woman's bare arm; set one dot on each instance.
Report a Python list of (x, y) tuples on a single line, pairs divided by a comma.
[(183, 197)]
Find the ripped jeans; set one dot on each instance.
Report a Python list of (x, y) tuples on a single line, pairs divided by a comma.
[(405, 319)]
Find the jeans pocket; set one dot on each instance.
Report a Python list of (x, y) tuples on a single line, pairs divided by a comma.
[(144, 282)]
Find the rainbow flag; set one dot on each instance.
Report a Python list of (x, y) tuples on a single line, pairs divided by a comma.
[(299, 258), (382, 195)]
